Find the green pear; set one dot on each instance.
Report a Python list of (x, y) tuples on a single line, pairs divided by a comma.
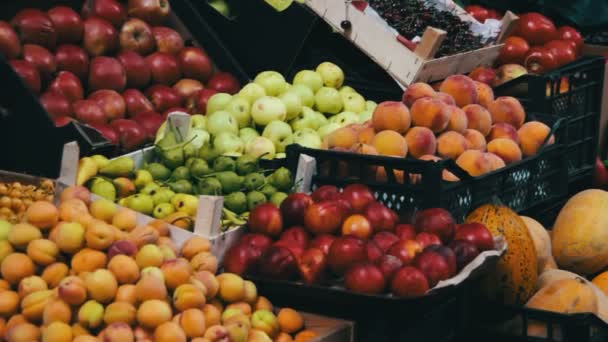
[(141, 202), (149, 189), (278, 198), (185, 203), (142, 178), (281, 179), (255, 198), (104, 188), (224, 163), (181, 186), (199, 168), (162, 195), (236, 202), (158, 171), (268, 190), (119, 167), (181, 172), (173, 157), (254, 181), (210, 186), (230, 181), (163, 210), (246, 164), (208, 152)]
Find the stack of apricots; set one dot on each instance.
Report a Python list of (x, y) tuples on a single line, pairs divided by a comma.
[(461, 121), (86, 271)]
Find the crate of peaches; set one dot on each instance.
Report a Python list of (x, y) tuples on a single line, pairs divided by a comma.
[(454, 147)]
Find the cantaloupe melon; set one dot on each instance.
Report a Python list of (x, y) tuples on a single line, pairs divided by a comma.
[(542, 241)]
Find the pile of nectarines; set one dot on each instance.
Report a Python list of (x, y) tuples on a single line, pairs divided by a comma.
[(462, 121), (87, 271)]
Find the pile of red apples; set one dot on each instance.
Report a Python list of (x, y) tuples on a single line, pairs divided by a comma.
[(114, 66), (334, 237)]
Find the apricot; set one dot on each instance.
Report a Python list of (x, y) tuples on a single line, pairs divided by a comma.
[(76, 191), (72, 290), (71, 209), (306, 336), (475, 140), (15, 320), (57, 332), (503, 130), (420, 141), (101, 285), (263, 304), (169, 332), (90, 314), (478, 118), (125, 219), (475, 162), (56, 310), (126, 293), (88, 260), (79, 330), (124, 268), (486, 94), (42, 214), (70, 237), (99, 235), (176, 272), (4, 285), (506, 149), (431, 113), (149, 255), (509, 110), (204, 261), (343, 137), (391, 115), (451, 145), (143, 335), (382, 176), (458, 120), (118, 332), (290, 321), (390, 143), (119, 312), (283, 337), (532, 136), (366, 135), (167, 242), (188, 296), (103, 209), (31, 284), (495, 161), (2, 328), (5, 249), (16, 266), (32, 306), (54, 273), (445, 175), (212, 315), (243, 307), (217, 303), (192, 322), (23, 332), (153, 313), (21, 234), (416, 91), (232, 287), (161, 227), (151, 286), (85, 338), (462, 88), (251, 292), (42, 251), (168, 252), (364, 149), (9, 303)]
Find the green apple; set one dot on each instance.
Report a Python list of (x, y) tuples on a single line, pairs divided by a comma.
[(248, 133), (331, 74), (5, 227), (252, 92), (328, 100), (228, 144), (272, 82), (306, 94), (326, 129), (141, 202), (346, 90), (293, 104), (321, 119), (221, 6), (365, 115), (286, 88), (309, 78), (163, 210), (370, 105), (307, 138), (218, 102), (222, 121), (199, 138), (279, 133), (353, 102), (240, 109), (267, 109), (199, 121), (260, 146), (306, 119), (345, 118)]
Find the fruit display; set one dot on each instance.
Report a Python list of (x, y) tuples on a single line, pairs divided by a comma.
[(86, 271), (462, 121), (115, 66), (16, 197), (348, 239)]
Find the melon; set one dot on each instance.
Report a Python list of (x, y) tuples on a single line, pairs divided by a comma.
[(568, 295), (542, 241)]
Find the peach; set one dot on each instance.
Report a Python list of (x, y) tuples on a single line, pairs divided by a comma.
[(125, 219), (122, 247), (16, 266), (42, 251), (119, 312), (54, 273), (153, 313), (365, 149), (126, 293), (212, 315), (169, 332), (475, 140), (99, 235), (509, 110), (124, 268), (532, 136), (71, 209), (366, 135), (506, 149), (56, 310), (475, 162), (32, 306), (478, 118), (416, 91), (149, 255), (382, 176), (70, 237), (420, 141), (486, 94), (21, 234), (90, 314), (263, 304), (495, 161), (176, 272), (431, 113), (23, 332), (503, 130), (251, 292), (76, 191), (343, 137), (290, 321), (88, 260), (192, 322), (462, 88), (57, 332), (390, 143), (9, 303), (204, 261), (445, 98), (151, 286), (101, 285), (391, 115), (118, 332), (42, 214), (232, 287), (103, 209), (458, 120), (451, 145), (208, 280), (31, 284), (188, 296)]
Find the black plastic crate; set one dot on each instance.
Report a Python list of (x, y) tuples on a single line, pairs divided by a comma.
[(572, 92)]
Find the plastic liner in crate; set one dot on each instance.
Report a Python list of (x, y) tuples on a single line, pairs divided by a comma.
[(573, 92)]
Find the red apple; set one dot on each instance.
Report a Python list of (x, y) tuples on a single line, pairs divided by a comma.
[(138, 72), (68, 24), (150, 121), (358, 195), (56, 104), (344, 252), (357, 225), (385, 240), (256, 240), (448, 254), (465, 252), (100, 37), (107, 73), (35, 27), (409, 282), (110, 102), (405, 231), (374, 253), (266, 219), (322, 242), (136, 35), (151, 11), (294, 207), (187, 87), (74, 59), (62, 120), (437, 221), (195, 63), (110, 10), (224, 82), (293, 247), (69, 85), (365, 278), (434, 266), (132, 135), (167, 40), (29, 73), (197, 103), (389, 264), (476, 233), (136, 102), (107, 131), (345, 206), (10, 46), (406, 250), (164, 68), (278, 263), (312, 265), (380, 216), (242, 259), (87, 111), (163, 97), (427, 239), (483, 74), (42, 58), (297, 235), (323, 217), (325, 192)]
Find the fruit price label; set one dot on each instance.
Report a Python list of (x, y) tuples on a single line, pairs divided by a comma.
[(181, 122), (279, 5)]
